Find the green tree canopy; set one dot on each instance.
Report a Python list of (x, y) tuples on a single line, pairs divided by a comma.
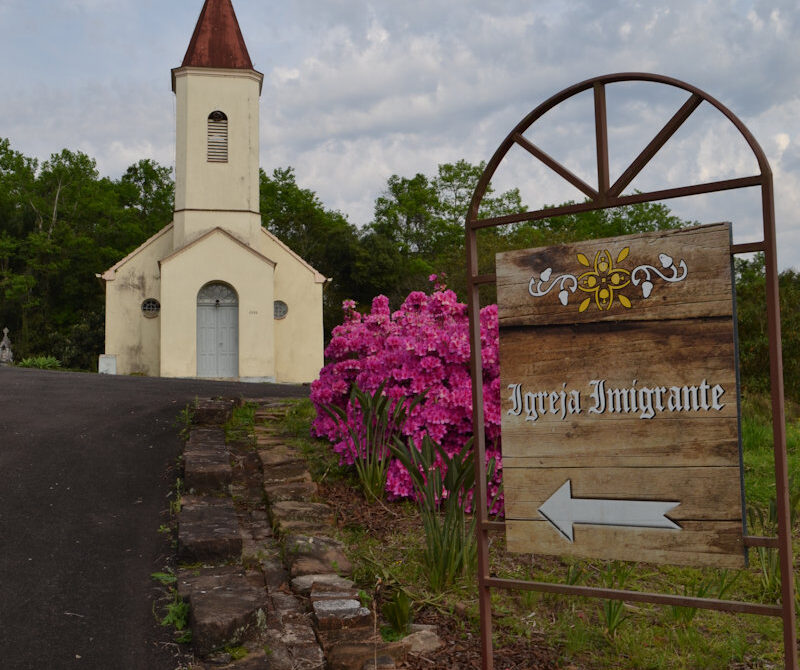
[(60, 225)]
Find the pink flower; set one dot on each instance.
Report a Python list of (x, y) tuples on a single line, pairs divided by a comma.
[(423, 347)]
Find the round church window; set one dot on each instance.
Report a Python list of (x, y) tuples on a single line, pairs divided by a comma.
[(281, 309), (151, 307)]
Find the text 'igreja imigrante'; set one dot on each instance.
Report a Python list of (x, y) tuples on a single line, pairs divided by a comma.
[(644, 401)]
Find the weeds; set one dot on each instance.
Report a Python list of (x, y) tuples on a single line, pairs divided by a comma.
[(184, 420), (177, 609), (397, 612), (574, 574), (450, 547), (177, 616), (615, 576), (164, 578), (371, 439), (239, 428), (175, 503), (696, 588), (764, 520), (236, 653)]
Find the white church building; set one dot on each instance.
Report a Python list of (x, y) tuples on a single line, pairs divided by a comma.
[(214, 294)]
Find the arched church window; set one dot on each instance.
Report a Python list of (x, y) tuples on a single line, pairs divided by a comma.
[(217, 294), (217, 137)]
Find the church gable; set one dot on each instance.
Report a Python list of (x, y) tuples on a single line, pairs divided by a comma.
[(215, 241), (216, 258)]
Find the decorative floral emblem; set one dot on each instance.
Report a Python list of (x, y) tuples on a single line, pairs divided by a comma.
[(605, 279)]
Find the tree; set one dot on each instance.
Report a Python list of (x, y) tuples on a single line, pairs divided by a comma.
[(418, 228), (406, 214), (751, 296), (60, 225), (147, 195)]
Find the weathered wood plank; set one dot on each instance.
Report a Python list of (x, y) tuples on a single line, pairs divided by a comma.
[(704, 493), (654, 353), (617, 441), (705, 290), (716, 544)]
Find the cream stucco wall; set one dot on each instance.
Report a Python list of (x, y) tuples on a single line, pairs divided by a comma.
[(217, 257), (299, 336), (130, 336), (244, 226), (231, 187)]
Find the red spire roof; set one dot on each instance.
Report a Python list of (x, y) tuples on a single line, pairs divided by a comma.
[(217, 39)]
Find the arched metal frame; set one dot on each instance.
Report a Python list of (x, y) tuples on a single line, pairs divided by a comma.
[(607, 195)]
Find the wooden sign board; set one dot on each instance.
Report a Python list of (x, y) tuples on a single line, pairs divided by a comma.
[(620, 399)]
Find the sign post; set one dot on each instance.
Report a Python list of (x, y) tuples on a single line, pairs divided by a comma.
[(647, 328)]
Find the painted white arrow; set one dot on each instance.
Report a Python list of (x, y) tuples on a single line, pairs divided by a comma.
[(562, 510)]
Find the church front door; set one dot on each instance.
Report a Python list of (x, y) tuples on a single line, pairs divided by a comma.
[(217, 331)]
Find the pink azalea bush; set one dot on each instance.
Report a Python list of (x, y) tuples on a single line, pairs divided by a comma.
[(423, 347)]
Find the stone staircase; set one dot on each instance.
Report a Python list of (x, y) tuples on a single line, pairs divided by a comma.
[(260, 566)]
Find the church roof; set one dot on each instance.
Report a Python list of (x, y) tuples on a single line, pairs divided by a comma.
[(217, 40)]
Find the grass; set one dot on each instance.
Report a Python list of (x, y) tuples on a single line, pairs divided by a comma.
[(322, 463), (176, 611), (588, 633), (239, 428), (184, 420)]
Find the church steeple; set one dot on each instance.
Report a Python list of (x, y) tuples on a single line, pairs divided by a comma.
[(216, 162), (217, 40)]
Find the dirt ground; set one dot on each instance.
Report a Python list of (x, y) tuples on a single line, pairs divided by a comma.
[(84, 463)]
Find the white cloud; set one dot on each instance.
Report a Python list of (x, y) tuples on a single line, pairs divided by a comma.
[(356, 90)]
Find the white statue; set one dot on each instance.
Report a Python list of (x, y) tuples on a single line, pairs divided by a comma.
[(6, 355)]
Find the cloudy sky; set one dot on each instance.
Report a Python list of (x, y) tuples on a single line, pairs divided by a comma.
[(358, 90)]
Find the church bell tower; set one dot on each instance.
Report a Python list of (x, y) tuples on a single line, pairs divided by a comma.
[(217, 135)]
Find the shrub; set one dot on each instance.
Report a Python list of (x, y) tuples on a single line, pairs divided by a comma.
[(40, 362), (423, 347)]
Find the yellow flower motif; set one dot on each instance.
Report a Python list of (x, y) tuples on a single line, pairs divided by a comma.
[(604, 281)]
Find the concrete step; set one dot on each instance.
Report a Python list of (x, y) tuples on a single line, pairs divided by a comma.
[(208, 530), (315, 554), (206, 465), (212, 411), (227, 604)]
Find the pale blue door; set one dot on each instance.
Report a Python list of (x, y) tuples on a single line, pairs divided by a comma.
[(217, 331)]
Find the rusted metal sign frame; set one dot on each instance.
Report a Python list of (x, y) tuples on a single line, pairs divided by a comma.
[(605, 196)]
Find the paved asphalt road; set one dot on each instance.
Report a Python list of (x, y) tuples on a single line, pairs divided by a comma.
[(84, 463)]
